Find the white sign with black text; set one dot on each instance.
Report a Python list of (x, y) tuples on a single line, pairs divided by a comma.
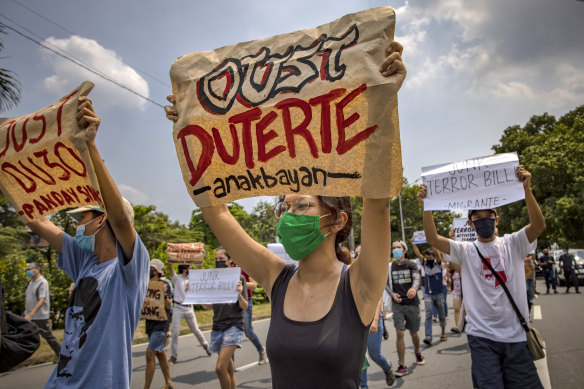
[(212, 286), (477, 183)]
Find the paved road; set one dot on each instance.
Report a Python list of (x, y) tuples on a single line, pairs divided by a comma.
[(558, 317)]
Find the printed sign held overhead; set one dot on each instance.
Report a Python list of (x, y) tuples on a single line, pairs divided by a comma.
[(419, 237), (477, 183), (462, 231), (306, 111)]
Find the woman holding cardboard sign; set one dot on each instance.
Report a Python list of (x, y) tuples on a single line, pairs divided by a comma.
[(320, 305)]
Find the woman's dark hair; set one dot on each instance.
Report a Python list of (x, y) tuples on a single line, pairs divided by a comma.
[(225, 251), (335, 205)]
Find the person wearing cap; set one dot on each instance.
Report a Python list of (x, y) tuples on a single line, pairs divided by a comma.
[(156, 331), (180, 310), (498, 344), (109, 265), (433, 291)]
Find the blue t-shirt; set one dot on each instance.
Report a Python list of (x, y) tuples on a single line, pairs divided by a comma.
[(101, 318)]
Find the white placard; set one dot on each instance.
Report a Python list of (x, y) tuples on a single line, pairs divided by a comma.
[(419, 237), (477, 183), (213, 286), (462, 231)]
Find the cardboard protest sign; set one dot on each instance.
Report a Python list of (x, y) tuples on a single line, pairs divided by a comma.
[(213, 286), (191, 253), (153, 307), (477, 183), (462, 231), (44, 162), (419, 237), (306, 112)]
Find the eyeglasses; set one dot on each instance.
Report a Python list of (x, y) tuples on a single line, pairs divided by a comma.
[(300, 206)]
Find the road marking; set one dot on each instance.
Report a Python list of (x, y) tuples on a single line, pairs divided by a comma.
[(245, 367), (537, 312)]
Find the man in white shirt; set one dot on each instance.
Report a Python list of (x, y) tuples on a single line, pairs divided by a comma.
[(180, 310), (499, 352)]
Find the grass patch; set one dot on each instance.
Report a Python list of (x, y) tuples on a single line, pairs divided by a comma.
[(45, 354)]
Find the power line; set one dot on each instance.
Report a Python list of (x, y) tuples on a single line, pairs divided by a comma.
[(72, 33), (76, 62)]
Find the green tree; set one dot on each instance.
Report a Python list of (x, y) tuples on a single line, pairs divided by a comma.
[(552, 151), (9, 85), (264, 221), (155, 229)]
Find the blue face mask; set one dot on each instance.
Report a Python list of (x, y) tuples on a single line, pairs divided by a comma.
[(86, 243), (397, 253), (29, 273)]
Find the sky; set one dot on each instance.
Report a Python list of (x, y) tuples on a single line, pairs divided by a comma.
[(474, 68)]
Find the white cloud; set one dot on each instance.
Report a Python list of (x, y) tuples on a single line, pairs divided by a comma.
[(67, 75), (133, 195), (510, 51)]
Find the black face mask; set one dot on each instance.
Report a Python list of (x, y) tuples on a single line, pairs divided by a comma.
[(220, 264), (152, 273), (430, 262), (485, 227)]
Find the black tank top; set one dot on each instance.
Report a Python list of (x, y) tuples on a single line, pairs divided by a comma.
[(327, 353)]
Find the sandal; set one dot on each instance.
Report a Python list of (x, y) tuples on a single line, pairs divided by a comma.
[(455, 330), (443, 338), (167, 387)]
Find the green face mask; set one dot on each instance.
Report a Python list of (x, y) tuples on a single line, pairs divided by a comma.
[(299, 234)]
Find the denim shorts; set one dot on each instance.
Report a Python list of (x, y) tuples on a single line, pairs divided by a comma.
[(406, 317), (156, 340), (230, 337)]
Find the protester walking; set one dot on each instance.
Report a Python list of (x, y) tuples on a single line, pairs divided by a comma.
[(569, 266), (498, 344), (404, 282), (156, 331), (37, 306), (547, 262), (228, 326), (109, 265), (251, 284), (433, 294), (180, 310), (321, 312)]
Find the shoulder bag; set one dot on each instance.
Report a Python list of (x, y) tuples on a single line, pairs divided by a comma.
[(535, 342)]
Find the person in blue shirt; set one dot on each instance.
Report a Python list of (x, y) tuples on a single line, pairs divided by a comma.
[(110, 267)]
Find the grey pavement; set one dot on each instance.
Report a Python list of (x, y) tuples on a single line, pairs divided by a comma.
[(558, 317)]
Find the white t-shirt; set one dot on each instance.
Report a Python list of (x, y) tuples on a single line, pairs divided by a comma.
[(180, 283), (489, 311)]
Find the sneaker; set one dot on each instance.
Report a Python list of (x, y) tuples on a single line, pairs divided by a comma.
[(263, 358), (207, 349), (401, 371), (172, 360), (578, 292), (428, 341), (389, 377), (420, 359), (555, 291)]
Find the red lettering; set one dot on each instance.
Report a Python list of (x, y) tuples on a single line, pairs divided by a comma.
[(42, 118), (345, 145), (230, 159), (40, 207), (28, 209), (23, 135), (27, 189), (83, 171), (246, 118), (325, 116), (263, 138), (43, 153), (208, 148), (51, 180), (301, 129), (60, 111), (9, 125)]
